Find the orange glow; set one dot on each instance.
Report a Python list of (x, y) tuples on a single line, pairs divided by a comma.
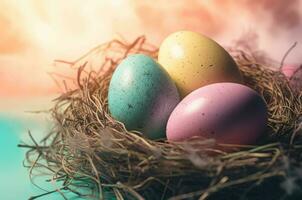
[(35, 32), (11, 41)]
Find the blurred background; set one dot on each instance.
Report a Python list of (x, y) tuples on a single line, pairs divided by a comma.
[(33, 33)]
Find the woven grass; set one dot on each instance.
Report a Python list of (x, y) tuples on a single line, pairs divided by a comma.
[(87, 150)]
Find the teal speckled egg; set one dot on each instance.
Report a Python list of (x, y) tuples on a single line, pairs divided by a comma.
[(142, 95)]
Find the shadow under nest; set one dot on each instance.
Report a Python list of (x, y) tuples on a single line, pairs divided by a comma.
[(94, 156)]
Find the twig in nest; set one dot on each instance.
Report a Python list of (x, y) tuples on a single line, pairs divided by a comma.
[(287, 53)]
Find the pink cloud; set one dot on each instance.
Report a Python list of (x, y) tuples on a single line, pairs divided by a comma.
[(37, 32)]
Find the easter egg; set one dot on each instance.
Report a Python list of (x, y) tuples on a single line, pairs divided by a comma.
[(228, 112), (289, 70), (194, 60), (142, 95), (293, 73)]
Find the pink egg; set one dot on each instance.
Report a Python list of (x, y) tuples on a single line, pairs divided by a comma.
[(289, 70), (230, 113)]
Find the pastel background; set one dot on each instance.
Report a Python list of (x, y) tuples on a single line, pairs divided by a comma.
[(35, 32)]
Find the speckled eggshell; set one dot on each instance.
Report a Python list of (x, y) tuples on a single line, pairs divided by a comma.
[(228, 112), (194, 60), (142, 95)]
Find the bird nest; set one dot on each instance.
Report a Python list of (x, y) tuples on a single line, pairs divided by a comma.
[(92, 155)]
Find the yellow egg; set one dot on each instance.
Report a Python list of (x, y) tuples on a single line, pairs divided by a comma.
[(194, 60)]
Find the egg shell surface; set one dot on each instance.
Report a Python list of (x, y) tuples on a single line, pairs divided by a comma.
[(289, 69), (142, 95), (230, 113), (194, 60)]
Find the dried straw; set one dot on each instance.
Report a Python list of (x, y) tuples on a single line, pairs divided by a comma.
[(87, 150)]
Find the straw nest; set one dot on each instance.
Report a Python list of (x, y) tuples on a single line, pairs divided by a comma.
[(94, 156)]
